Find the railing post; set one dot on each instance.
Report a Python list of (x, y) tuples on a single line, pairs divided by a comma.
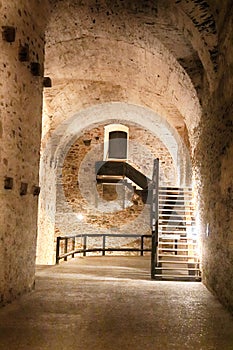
[(66, 246), (154, 216), (142, 245), (84, 245), (104, 243), (73, 245), (58, 250), (176, 246)]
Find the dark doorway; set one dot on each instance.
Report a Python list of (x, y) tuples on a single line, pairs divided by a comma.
[(118, 145)]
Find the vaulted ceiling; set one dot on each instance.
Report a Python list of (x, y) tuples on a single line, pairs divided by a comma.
[(155, 54)]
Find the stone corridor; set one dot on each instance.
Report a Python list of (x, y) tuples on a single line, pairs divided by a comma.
[(109, 303)]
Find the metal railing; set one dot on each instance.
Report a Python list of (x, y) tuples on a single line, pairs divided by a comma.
[(69, 243)]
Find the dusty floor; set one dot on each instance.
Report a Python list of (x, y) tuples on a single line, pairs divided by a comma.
[(110, 303)]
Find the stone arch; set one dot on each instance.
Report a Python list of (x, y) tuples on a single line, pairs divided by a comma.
[(66, 132), (57, 147)]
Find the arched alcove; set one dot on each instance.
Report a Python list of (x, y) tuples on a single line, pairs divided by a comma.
[(54, 153)]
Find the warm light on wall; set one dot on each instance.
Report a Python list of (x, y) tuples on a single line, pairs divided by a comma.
[(80, 216)]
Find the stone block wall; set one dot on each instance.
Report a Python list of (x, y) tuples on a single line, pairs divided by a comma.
[(20, 129)]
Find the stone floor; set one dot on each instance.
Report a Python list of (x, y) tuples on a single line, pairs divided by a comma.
[(110, 303)]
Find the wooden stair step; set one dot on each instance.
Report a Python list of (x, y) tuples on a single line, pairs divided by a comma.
[(174, 249), (174, 220), (178, 258), (170, 188), (183, 269), (175, 206), (175, 200), (177, 277), (172, 232), (175, 258), (165, 209), (175, 195), (176, 243), (174, 213)]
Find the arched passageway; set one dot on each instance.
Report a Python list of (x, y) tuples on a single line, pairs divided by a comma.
[(168, 63), (58, 162)]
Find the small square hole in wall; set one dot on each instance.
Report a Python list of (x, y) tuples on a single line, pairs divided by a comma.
[(23, 188), (24, 53), (35, 69), (8, 34), (35, 190), (47, 82), (87, 142), (8, 183)]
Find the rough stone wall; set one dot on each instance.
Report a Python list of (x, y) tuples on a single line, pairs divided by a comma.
[(213, 157), (103, 207), (20, 129), (47, 209)]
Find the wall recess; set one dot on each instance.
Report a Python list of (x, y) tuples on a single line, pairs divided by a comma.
[(8, 34), (47, 82), (24, 53), (35, 190), (8, 183), (23, 188), (35, 69)]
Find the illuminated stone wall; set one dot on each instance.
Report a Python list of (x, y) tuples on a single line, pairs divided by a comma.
[(20, 133), (173, 58), (214, 159), (103, 208)]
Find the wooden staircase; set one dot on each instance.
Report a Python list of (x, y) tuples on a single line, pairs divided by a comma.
[(174, 252), (177, 251)]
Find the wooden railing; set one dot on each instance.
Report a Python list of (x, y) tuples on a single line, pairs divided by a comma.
[(66, 245)]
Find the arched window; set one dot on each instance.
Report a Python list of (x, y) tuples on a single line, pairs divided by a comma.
[(116, 142)]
